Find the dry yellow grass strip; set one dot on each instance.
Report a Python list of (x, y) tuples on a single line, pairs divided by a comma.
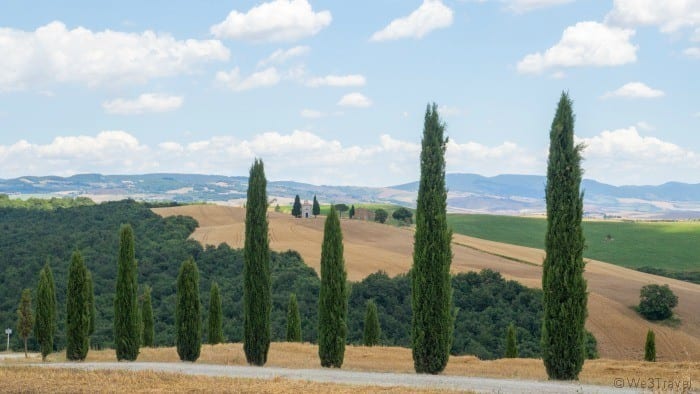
[(20, 379), (399, 360)]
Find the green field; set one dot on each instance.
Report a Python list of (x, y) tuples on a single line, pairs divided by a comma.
[(671, 246)]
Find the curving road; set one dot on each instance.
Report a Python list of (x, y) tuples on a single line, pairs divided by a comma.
[(461, 383)]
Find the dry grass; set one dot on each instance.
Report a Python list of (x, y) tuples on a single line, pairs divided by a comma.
[(370, 247), (47, 380), (395, 359)]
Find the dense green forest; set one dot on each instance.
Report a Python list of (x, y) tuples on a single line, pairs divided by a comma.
[(486, 302)]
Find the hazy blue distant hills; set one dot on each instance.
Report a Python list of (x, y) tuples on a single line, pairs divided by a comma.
[(502, 194)]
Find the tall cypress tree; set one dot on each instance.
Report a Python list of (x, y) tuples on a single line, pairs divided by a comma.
[(296, 208), (44, 325), (77, 310), (372, 329), (333, 301), (293, 320), (257, 298), (147, 318), (351, 214), (216, 332), (188, 318), (564, 289), (127, 337), (650, 347), (511, 342), (432, 321), (25, 318), (316, 208), (91, 302)]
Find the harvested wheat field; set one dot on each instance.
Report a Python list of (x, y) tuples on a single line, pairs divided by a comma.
[(399, 360), (47, 380), (370, 247)]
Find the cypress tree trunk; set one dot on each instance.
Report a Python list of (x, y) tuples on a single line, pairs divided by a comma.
[(333, 301), (188, 319), (77, 310), (127, 337), (293, 320), (257, 299), (216, 333), (373, 330), (650, 347), (432, 320), (564, 289), (511, 343), (147, 318), (43, 325)]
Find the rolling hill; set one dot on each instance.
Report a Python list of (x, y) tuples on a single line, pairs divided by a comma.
[(369, 247)]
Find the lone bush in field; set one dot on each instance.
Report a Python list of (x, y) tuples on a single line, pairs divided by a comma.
[(650, 347), (293, 320), (372, 330), (380, 215), (511, 343), (657, 302), (403, 215), (188, 318)]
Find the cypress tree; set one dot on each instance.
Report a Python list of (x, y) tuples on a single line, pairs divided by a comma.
[(372, 330), (333, 302), (188, 319), (511, 343), (127, 337), (316, 209), (296, 208), (44, 325), (563, 285), (351, 214), (293, 320), (650, 347), (91, 302), (432, 320), (147, 318), (216, 332), (77, 310), (53, 303), (257, 299), (25, 318)]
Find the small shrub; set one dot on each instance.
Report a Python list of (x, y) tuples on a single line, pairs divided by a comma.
[(656, 302)]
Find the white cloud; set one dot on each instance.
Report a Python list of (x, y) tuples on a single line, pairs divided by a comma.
[(275, 21), (635, 90), (300, 155), (338, 81), (147, 102), (529, 5), (281, 55), (310, 113), (624, 156), (265, 78), (669, 15), (357, 100), (692, 52), (431, 15), (52, 53), (584, 44)]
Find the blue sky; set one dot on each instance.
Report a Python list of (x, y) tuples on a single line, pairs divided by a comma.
[(334, 92)]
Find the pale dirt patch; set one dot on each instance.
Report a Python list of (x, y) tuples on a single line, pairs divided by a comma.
[(369, 247)]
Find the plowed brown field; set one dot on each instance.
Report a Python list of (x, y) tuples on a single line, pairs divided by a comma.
[(370, 247)]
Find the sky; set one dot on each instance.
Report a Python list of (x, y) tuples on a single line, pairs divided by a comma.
[(334, 92)]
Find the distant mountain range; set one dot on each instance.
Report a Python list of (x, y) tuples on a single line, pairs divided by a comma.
[(502, 194)]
